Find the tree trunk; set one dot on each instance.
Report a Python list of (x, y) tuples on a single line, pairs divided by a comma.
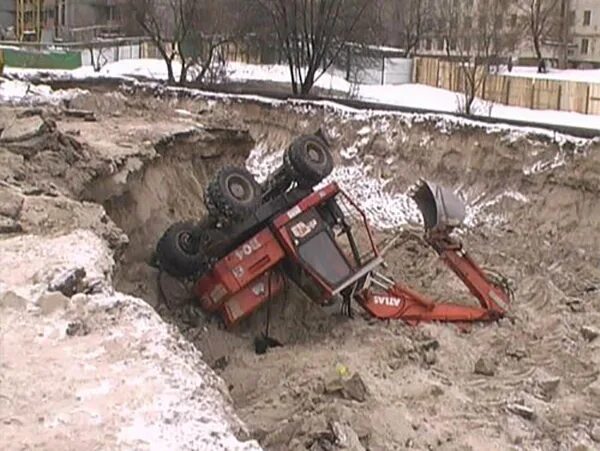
[(308, 82), (183, 74), (538, 51), (170, 73), (184, 66)]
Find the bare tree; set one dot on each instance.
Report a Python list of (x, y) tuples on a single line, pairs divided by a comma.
[(477, 37), (413, 20), (97, 57), (541, 18), (187, 31), (312, 34)]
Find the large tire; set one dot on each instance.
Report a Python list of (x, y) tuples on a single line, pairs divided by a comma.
[(233, 194), (309, 160), (178, 251)]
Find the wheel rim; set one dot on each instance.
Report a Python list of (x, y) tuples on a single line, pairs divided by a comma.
[(315, 154), (239, 188)]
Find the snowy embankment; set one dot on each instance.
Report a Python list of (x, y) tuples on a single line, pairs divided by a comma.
[(100, 369), (406, 95)]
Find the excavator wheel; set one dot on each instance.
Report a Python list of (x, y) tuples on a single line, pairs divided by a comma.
[(178, 251), (233, 194), (309, 160)]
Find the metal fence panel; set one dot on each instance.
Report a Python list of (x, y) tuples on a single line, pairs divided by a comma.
[(397, 71)]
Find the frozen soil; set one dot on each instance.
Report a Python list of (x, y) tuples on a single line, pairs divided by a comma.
[(534, 215)]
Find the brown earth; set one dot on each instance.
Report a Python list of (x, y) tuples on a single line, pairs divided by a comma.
[(540, 387)]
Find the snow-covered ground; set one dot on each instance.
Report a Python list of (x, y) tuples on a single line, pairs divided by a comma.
[(16, 91), (123, 372), (406, 95)]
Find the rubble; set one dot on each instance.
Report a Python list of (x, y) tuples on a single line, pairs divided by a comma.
[(9, 225), (590, 333), (349, 388), (522, 410), (595, 433), (549, 385), (11, 202), (77, 328), (345, 437), (69, 282), (485, 366)]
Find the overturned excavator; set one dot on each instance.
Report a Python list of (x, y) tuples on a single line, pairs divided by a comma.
[(296, 227)]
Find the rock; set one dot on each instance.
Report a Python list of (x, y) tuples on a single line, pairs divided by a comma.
[(9, 225), (10, 202), (11, 300), (281, 436), (68, 282), (485, 366), (549, 385), (77, 328), (522, 411), (516, 352), (589, 333), (430, 345), (11, 165), (86, 115), (430, 357), (355, 388), (595, 433), (346, 437), (51, 302), (23, 129)]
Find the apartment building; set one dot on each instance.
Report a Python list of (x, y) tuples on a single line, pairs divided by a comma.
[(575, 31), (585, 32), (7, 13), (79, 20), (59, 20)]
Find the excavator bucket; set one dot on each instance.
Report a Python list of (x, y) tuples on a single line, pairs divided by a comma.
[(440, 207)]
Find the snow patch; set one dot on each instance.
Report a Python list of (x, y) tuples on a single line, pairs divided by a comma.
[(23, 93)]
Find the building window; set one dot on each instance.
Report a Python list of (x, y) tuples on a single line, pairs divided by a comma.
[(440, 44), (584, 46), (572, 18), (587, 17), (513, 20), (428, 44)]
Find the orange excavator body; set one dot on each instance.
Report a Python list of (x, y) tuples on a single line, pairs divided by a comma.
[(304, 243)]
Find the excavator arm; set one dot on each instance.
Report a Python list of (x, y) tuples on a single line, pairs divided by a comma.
[(386, 299)]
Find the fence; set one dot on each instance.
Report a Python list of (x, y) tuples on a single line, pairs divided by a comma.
[(525, 92)]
